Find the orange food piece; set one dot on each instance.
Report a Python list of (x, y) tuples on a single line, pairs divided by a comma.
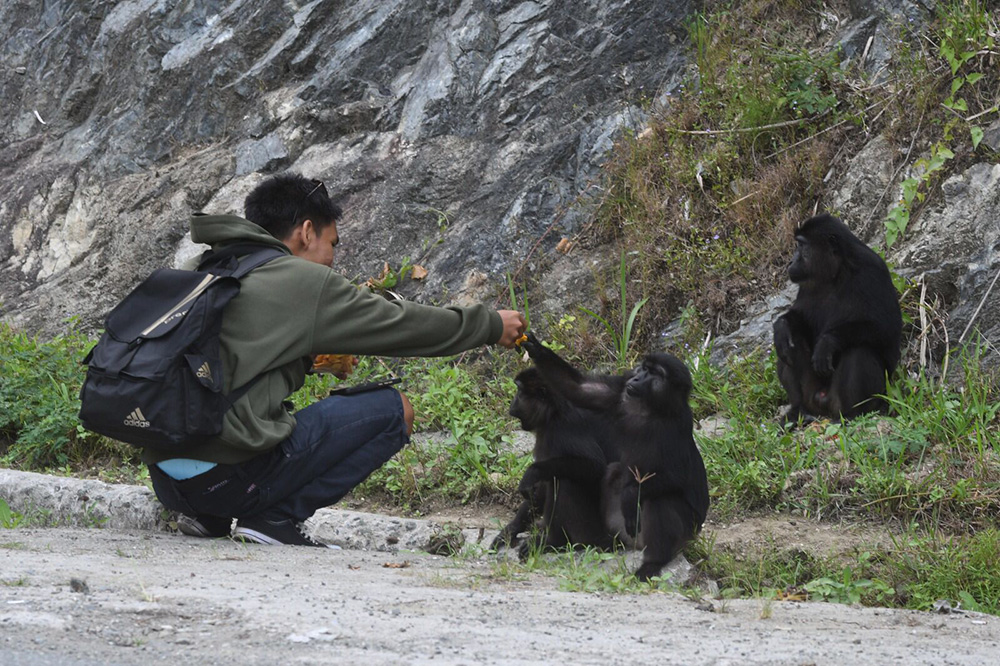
[(520, 340), (334, 362)]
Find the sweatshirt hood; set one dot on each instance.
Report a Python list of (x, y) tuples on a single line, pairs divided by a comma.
[(220, 230)]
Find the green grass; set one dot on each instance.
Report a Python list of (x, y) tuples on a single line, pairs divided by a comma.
[(933, 459), (39, 403), (916, 571), (467, 402), (583, 570)]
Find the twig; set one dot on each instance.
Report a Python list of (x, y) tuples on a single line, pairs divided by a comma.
[(947, 355), (801, 141), (864, 54), (735, 130), (745, 196), (885, 105), (975, 314), (983, 113), (892, 181), (923, 321)]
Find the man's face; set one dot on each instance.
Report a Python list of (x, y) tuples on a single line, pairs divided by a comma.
[(317, 247)]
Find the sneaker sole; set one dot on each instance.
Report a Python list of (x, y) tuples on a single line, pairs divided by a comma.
[(250, 535), (196, 529), (253, 536)]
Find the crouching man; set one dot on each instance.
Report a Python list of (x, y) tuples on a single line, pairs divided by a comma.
[(269, 468)]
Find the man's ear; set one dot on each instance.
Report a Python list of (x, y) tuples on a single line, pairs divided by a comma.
[(296, 238), (308, 230)]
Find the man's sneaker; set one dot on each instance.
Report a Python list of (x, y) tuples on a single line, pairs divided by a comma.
[(211, 527), (276, 533)]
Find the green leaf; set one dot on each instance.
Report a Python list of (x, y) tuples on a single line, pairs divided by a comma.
[(945, 152), (890, 237), (969, 602), (972, 78), (6, 515), (956, 84), (960, 105), (602, 320), (977, 136), (949, 55)]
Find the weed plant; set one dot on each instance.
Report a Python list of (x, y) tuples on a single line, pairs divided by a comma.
[(705, 199), (583, 570), (39, 402)]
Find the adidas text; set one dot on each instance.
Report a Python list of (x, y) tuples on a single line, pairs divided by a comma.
[(136, 419)]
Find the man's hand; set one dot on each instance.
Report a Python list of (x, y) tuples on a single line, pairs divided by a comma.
[(513, 327)]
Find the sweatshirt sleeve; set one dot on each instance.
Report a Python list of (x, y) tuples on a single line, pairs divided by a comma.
[(350, 320)]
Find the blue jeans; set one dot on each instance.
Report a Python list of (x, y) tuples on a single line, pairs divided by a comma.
[(337, 442)]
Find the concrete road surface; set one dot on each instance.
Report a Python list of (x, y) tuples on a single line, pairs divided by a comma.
[(104, 596)]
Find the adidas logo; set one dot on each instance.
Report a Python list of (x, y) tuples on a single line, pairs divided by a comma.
[(176, 315), (204, 372), (136, 419)]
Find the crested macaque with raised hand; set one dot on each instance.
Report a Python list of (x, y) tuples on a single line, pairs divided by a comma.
[(664, 489), (563, 487), (842, 334)]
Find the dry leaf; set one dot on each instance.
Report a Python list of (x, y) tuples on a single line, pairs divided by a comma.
[(396, 565), (419, 272), (791, 595)]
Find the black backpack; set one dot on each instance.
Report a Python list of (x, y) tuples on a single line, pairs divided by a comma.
[(154, 378)]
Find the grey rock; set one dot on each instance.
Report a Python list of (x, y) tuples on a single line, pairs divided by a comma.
[(496, 113), (957, 250), (991, 136), (260, 155), (713, 426), (755, 331), (878, 25), (83, 502), (862, 195), (67, 501)]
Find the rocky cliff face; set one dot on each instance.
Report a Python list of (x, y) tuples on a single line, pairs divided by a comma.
[(472, 122), (457, 133)]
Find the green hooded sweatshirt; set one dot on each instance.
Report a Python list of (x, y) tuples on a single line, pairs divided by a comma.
[(289, 309)]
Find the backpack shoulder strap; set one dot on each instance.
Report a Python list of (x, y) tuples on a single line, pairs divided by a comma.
[(227, 261), (258, 258)]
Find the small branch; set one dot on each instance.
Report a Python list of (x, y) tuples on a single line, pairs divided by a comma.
[(885, 105), (947, 354), (975, 314), (983, 113), (761, 128), (923, 321), (745, 196), (892, 181), (801, 141)]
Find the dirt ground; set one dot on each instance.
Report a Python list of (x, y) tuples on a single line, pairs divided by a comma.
[(102, 596)]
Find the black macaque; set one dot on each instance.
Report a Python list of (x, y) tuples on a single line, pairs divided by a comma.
[(563, 487), (664, 489), (842, 334)]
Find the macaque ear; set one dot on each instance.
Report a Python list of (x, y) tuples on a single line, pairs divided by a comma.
[(833, 242)]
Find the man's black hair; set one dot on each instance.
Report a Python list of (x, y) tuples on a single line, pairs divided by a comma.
[(282, 202)]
